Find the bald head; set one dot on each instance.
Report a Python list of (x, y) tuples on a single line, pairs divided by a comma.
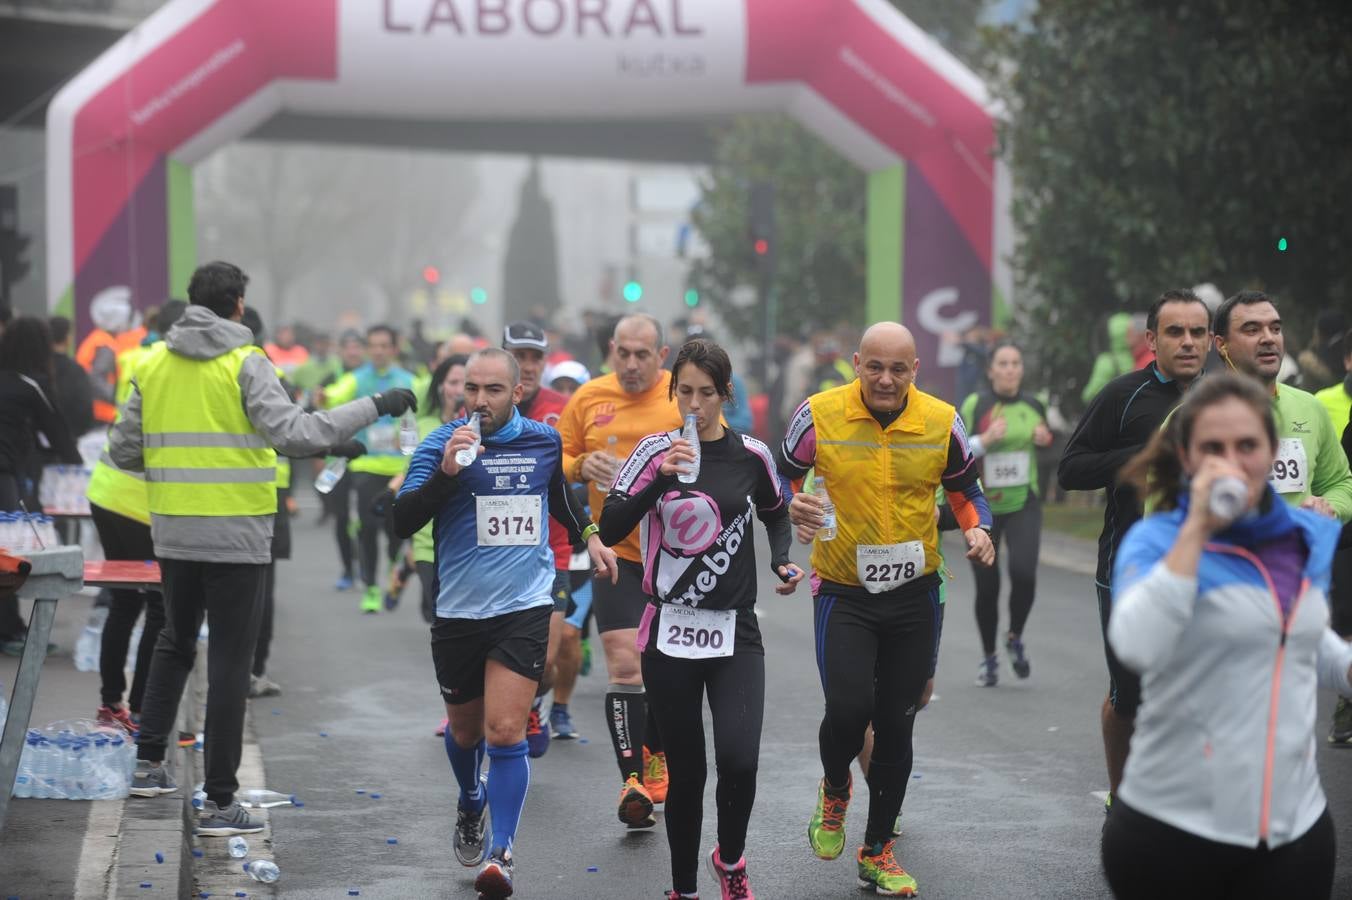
[(888, 338), (886, 365)]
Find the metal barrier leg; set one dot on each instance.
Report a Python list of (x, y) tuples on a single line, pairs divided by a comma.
[(21, 698)]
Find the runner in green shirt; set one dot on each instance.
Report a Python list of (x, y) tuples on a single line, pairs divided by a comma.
[(1006, 427)]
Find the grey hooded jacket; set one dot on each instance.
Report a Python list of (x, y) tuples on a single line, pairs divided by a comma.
[(201, 334)]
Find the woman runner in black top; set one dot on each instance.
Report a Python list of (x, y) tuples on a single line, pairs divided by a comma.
[(699, 631)]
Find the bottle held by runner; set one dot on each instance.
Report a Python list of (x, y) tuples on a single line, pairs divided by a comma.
[(690, 434), (408, 434), (469, 454), (828, 530), (332, 474), (1228, 497)]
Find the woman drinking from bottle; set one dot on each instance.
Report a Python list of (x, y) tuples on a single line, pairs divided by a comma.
[(699, 631), (1220, 603)]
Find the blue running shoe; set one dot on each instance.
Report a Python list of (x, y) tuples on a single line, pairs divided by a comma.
[(562, 723), (537, 733), (344, 583), (988, 671), (1017, 658)]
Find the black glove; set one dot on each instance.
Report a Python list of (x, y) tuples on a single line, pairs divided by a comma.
[(381, 503), (395, 402), (348, 449)]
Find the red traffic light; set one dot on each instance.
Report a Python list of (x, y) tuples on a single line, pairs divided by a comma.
[(431, 274), (762, 247)]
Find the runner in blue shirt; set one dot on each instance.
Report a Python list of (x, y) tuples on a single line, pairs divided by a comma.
[(495, 572)]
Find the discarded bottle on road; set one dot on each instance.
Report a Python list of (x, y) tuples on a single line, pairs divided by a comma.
[(828, 530), (329, 478), (261, 798), (690, 434), (408, 434), (263, 870), (469, 454), (199, 796), (238, 847)]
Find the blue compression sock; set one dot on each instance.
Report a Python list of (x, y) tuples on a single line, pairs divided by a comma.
[(508, 778), (466, 763)]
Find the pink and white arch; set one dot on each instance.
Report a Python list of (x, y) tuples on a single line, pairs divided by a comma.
[(123, 135)]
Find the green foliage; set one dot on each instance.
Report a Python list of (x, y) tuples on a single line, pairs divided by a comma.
[(1158, 145), (820, 207)]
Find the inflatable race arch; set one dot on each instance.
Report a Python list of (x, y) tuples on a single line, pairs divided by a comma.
[(123, 135)]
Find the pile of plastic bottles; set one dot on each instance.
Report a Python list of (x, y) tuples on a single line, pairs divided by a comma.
[(24, 533), (76, 760), (64, 488)]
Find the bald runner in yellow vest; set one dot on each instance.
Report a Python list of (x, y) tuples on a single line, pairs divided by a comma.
[(882, 447), (205, 412)]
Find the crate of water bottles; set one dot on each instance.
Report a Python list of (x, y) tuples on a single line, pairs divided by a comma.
[(76, 760), (24, 532), (64, 490)]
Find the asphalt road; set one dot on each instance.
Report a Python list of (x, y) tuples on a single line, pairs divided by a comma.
[(1002, 801)]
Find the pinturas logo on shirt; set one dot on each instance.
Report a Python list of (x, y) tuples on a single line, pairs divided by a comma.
[(690, 522)]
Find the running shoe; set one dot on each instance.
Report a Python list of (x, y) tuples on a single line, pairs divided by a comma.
[(677, 895), (395, 592), (1108, 804), (988, 671), (1017, 658), (826, 828), (636, 807), (186, 739), (1340, 735), (151, 781), (880, 872), (732, 880), (470, 828), (370, 600), (234, 819), (495, 878), (115, 717), (562, 723), (440, 730), (655, 775), (263, 686), (537, 733), (344, 583)]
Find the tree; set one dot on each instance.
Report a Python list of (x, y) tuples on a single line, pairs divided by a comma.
[(820, 206), (1159, 145), (530, 269)]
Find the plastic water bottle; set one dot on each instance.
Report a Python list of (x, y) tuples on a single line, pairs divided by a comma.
[(408, 434), (690, 434), (88, 647), (261, 798), (263, 870), (828, 530), (238, 847), (333, 471), (199, 796), (469, 454), (4, 708), (1229, 497), (24, 780)]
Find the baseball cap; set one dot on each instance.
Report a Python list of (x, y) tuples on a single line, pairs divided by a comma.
[(568, 368), (524, 336)]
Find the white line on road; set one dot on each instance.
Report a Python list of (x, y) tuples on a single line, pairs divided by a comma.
[(98, 850)]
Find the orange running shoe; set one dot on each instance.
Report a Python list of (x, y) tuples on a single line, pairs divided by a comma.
[(655, 775), (636, 806)]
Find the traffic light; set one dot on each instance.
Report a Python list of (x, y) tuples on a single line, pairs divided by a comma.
[(13, 245), (692, 298), (761, 223), (431, 274), (633, 291), (478, 296), (1281, 245)]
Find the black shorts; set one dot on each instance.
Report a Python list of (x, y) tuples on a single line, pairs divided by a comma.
[(562, 591), (461, 647), (1124, 685), (619, 605)]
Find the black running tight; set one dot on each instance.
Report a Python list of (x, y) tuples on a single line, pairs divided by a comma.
[(736, 688), (1022, 532)]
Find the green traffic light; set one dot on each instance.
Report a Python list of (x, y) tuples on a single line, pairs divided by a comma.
[(633, 291), (478, 296), (692, 298), (1281, 245)]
